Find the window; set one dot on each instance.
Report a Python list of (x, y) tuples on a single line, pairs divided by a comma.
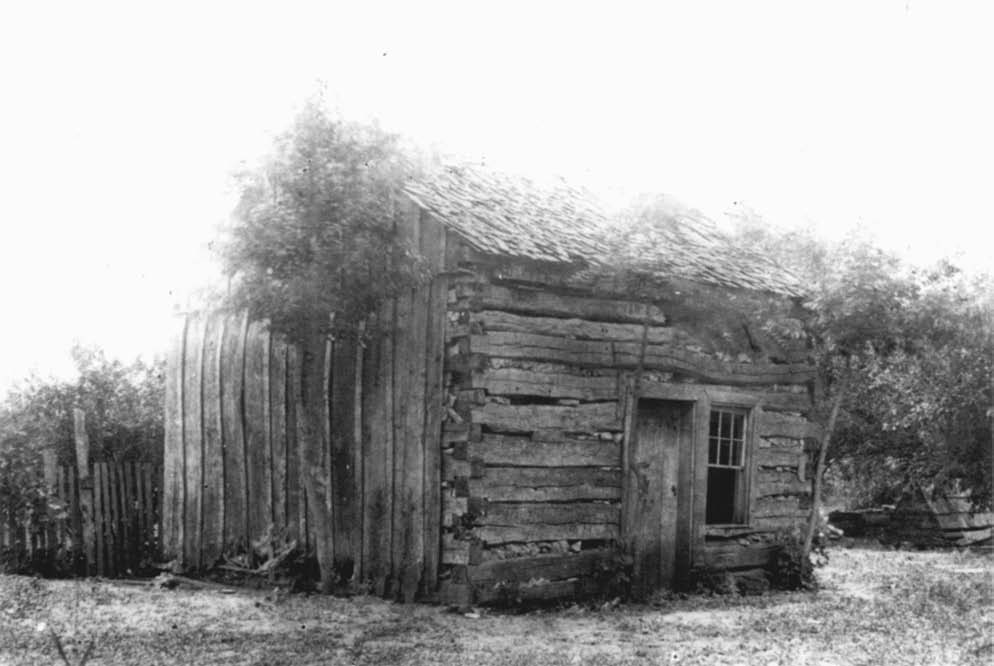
[(726, 500)]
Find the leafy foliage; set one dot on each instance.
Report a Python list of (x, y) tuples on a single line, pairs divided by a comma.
[(123, 405), (122, 402), (315, 229), (918, 348)]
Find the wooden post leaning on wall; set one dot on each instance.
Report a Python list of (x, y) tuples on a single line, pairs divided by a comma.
[(85, 486)]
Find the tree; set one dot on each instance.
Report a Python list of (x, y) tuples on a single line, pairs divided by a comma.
[(904, 358), (314, 248), (123, 404)]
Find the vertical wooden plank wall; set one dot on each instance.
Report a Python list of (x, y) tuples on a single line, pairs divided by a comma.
[(234, 482)]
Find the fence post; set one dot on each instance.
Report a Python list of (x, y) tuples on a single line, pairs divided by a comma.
[(85, 485), (51, 487)]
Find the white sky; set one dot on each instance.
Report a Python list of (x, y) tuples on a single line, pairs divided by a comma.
[(120, 125)]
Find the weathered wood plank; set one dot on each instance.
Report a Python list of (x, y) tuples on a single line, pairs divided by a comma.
[(784, 400), (149, 542), (295, 529), (193, 439), (236, 525), (545, 532), (591, 417), (433, 248), (415, 447), (774, 523), (549, 567), (173, 472), (766, 507), (277, 431), (777, 457), (520, 381), (590, 353), (401, 391), (772, 424), (775, 482), (256, 395), (539, 590), (372, 468), (582, 329), (543, 302), (735, 556), (213, 428), (518, 484), (525, 451), (454, 551), (343, 450), (99, 519), (112, 509), (531, 513), (380, 484)]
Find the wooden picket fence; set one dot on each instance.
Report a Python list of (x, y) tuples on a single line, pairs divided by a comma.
[(106, 524)]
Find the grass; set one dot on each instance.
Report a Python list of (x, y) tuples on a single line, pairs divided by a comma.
[(876, 607)]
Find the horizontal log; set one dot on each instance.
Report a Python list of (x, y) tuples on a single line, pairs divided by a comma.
[(452, 508), (453, 469), (775, 523), (510, 450), (775, 482), (542, 302), (538, 477), (968, 537), (768, 399), (590, 417), (582, 329), (734, 556), (772, 424), (517, 381), (546, 532), (548, 567), (777, 457), (965, 520), (783, 443), (592, 353), (546, 485), (766, 507), (454, 551), (537, 513), (538, 590)]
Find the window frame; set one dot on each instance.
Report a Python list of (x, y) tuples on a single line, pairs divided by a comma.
[(743, 486)]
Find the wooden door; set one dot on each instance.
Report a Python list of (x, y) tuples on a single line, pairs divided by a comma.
[(663, 428)]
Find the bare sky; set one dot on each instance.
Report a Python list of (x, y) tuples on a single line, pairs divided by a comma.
[(120, 125)]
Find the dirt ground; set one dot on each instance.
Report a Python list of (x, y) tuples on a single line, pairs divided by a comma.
[(876, 607)]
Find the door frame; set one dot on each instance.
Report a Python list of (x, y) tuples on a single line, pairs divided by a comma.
[(693, 469)]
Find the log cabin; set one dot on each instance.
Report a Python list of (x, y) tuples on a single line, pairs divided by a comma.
[(573, 400)]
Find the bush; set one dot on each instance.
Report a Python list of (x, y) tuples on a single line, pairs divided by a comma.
[(790, 570)]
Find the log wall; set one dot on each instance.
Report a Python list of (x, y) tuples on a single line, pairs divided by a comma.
[(533, 445)]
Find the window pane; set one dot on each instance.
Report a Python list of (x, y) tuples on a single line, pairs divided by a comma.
[(739, 422), (721, 495), (736, 452), (725, 424), (713, 450), (713, 430)]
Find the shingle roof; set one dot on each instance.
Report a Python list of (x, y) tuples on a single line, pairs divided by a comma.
[(513, 216)]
